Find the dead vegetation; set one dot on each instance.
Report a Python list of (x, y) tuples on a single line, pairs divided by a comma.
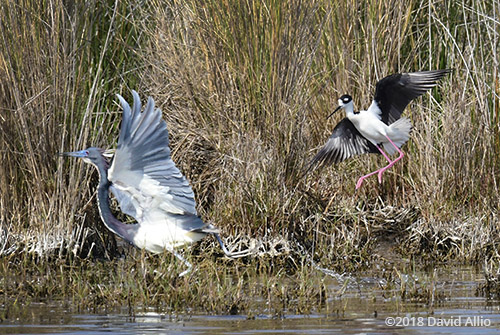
[(245, 88)]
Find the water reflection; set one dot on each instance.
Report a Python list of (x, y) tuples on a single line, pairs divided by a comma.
[(316, 324)]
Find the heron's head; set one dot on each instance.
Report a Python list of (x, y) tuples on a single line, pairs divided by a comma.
[(344, 101), (90, 155)]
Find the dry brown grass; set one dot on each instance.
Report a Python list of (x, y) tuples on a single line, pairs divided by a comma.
[(57, 62), (245, 88), (246, 101)]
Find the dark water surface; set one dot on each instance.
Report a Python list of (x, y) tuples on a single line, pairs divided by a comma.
[(364, 307)]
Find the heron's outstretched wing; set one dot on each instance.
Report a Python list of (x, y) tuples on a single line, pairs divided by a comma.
[(345, 141), (394, 92), (143, 176)]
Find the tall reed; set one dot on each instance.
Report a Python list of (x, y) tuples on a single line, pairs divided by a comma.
[(245, 88), (59, 64)]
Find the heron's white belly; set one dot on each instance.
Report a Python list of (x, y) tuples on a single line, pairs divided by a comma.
[(161, 237)]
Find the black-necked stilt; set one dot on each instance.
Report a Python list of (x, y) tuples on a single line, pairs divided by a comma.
[(380, 125)]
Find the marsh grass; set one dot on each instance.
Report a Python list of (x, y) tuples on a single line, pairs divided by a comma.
[(255, 146), (490, 288), (245, 88), (145, 282), (56, 60)]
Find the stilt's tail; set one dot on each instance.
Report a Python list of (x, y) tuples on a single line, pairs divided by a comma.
[(399, 134)]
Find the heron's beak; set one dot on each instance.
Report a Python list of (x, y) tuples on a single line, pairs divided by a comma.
[(79, 154), (336, 109)]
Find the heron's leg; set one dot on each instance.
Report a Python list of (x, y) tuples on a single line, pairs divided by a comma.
[(183, 260), (391, 163), (237, 254), (360, 180)]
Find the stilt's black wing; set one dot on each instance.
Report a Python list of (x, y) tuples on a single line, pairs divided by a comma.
[(394, 92), (345, 141)]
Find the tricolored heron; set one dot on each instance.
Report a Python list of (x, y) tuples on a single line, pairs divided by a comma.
[(148, 186)]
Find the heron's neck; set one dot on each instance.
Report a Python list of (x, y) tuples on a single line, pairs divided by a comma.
[(121, 229)]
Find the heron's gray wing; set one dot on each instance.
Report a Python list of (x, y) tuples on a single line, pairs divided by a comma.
[(142, 173), (125, 200), (346, 141), (393, 93)]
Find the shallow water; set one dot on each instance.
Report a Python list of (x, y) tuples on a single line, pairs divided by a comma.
[(363, 308)]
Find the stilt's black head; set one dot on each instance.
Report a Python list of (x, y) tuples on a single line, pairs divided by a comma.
[(343, 101)]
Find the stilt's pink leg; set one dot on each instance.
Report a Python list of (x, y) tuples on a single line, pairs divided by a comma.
[(360, 180), (384, 154), (401, 154)]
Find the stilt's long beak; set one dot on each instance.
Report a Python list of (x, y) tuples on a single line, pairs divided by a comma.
[(336, 109), (79, 154)]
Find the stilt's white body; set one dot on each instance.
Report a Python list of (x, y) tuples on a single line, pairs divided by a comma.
[(369, 124)]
